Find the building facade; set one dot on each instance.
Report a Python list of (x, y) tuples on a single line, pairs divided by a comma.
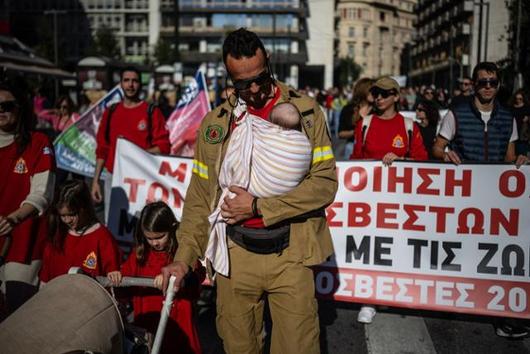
[(374, 33), (453, 36), (320, 45), (140, 26), (203, 25)]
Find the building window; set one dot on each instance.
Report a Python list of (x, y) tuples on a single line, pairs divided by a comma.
[(382, 16), (351, 50), (365, 32), (351, 32)]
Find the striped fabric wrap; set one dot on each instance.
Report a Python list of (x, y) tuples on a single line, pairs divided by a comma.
[(263, 158)]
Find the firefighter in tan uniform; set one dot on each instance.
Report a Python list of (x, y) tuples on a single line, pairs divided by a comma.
[(280, 270)]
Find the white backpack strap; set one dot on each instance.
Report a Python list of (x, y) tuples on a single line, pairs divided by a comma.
[(409, 128), (366, 125)]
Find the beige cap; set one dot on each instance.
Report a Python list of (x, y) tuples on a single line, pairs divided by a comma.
[(387, 83)]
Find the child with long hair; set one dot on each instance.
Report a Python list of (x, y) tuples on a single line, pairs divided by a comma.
[(156, 244), (77, 239)]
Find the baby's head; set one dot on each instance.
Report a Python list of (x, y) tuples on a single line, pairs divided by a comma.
[(286, 115)]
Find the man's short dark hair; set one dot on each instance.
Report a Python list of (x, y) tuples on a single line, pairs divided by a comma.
[(242, 43), (485, 66), (130, 68)]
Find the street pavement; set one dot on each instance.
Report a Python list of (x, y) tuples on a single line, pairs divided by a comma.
[(393, 331)]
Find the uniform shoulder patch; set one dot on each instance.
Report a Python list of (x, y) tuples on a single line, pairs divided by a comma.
[(214, 134)]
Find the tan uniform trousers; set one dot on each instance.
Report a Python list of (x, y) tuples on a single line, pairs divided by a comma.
[(290, 289)]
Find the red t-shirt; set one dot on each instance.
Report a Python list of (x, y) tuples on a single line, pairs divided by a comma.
[(96, 252), (388, 135), (16, 171), (265, 112), (131, 124), (181, 334)]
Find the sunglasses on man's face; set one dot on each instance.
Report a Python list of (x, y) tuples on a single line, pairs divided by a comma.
[(8, 106), (419, 109), (485, 82), (260, 80), (384, 93)]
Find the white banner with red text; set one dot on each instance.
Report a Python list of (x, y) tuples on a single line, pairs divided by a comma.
[(418, 235)]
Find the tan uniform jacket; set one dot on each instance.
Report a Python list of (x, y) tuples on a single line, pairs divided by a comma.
[(310, 240)]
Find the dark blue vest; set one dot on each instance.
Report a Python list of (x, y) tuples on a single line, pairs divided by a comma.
[(473, 142)]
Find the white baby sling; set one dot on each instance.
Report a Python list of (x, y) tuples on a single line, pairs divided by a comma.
[(262, 158)]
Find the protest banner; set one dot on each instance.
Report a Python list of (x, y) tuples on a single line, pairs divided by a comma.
[(140, 177), (184, 121), (417, 235), (431, 236), (75, 148)]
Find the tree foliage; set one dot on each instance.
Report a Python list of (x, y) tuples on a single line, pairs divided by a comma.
[(105, 43), (349, 71), (163, 52)]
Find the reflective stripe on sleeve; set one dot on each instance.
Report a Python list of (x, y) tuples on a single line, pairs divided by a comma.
[(200, 169), (322, 153)]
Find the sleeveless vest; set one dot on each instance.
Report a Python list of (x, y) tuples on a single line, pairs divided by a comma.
[(474, 141)]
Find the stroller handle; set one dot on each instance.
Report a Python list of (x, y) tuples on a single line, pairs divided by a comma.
[(127, 282)]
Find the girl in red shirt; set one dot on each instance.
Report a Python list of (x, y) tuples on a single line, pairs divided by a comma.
[(77, 238), (156, 244)]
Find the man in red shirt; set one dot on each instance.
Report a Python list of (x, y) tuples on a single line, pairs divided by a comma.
[(130, 119)]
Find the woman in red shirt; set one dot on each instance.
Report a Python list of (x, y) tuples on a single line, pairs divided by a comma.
[(26, 189), (386, 135)]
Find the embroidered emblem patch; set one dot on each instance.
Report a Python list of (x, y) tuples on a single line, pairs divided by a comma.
[(91, 261), (46, 151), (397, 142), (142, 126), (20, 166), (214, 134)]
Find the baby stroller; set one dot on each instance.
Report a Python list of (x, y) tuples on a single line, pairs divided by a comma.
[(74, 313)]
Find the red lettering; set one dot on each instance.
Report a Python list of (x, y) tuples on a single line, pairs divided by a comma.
[(133, 191), (441, 216), (411, 210), (510, 225), (348, 176), (424, 173), (177, 202), (377, 178), (394, 179), (179, 173), (332, 213), (358, 211), (383, 215), (504, 183), (478, 225), (451, 182), (151, 193)]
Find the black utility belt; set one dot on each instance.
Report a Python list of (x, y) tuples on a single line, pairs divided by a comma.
[(261, 241)]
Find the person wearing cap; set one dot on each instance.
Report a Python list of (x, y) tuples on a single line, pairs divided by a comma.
[(388, 136)]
